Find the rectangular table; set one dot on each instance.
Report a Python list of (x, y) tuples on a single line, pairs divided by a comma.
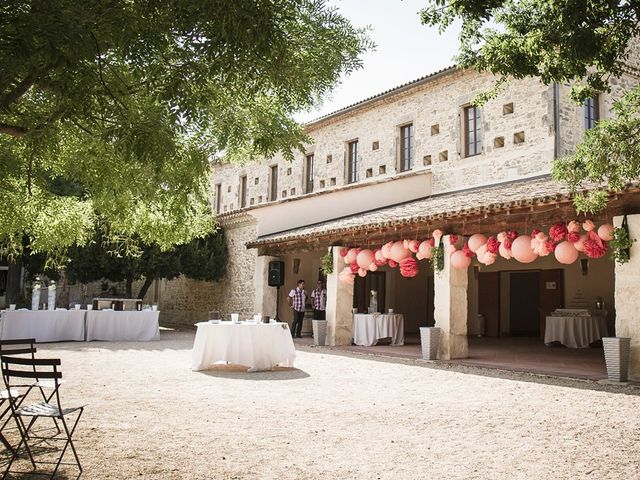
[(43, 325), (577, 331), (123, 326), (369, 328), (259, 346)]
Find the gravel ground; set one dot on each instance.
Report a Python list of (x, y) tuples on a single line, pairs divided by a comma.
[(337, 416)]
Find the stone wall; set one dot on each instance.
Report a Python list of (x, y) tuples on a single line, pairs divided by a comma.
[(435, 109)]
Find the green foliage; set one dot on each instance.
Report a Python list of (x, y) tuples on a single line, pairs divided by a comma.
[(201, 259), (437, 258), (620, 246), (608, 157), (326, 263), (110, 112), (580, 41), (558, 41)]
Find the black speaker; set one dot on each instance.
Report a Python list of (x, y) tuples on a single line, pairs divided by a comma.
[(276, 274)]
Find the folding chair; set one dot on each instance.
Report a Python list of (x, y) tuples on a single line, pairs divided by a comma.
[(26, 346), (4, 398), (14, 371)]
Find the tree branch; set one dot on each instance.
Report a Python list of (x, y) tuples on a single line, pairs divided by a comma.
[(21, 88), (13, 130)]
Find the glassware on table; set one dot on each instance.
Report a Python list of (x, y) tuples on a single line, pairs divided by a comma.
[(391, 310), (235, 317), (12, 306)]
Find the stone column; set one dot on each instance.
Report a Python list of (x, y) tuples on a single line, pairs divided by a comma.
[(265, 296), (627, 286), (450, 304), (339, 304)]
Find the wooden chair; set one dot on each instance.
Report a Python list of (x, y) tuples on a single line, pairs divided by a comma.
[(16, 371)]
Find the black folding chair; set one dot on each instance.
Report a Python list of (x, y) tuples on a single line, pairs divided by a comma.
[(4, 398), (14, 372), (26, 347)]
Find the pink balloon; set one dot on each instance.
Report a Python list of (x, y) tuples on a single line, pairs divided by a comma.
[(605, 232), (476, 241), (362, 272), (398, 252), (566, 253), (414, 245), (481, 252), (379, 256), (386, 250), (351, 255), (365, 258), (425, 249), (579, 245), (521, 249), (459, 260), (373, 267)]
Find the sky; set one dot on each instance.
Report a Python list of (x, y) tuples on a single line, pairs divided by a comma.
[(405, 50)]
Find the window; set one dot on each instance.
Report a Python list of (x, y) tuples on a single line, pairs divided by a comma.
[(243, 191), (472, 137), (591, 112), (352, 162), (309, 174), (406, 147), (273, 185), (218, 197)]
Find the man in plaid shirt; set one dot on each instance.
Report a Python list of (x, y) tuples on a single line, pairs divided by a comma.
[(297, 300)]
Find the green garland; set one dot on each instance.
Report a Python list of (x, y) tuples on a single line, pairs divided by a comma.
[(437, 258), (620, 245), (326, 263)]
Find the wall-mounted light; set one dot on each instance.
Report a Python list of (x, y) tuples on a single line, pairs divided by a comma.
[(584, 266)]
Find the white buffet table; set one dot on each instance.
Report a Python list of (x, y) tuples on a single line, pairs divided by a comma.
[(123, 326), (369, 328), (258, 346), (43, 325), (575, 331)]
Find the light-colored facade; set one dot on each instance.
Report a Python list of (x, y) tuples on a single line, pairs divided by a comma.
[(338, 192)]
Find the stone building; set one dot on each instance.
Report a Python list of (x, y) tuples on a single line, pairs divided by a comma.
[(410, 160)]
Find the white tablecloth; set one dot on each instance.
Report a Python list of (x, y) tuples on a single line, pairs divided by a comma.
[(257, 346), (574, 331), (369, 328), (123, 326), (43, 325)]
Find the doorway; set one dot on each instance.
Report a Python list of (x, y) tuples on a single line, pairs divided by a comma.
[(362, 291), (524, 313)]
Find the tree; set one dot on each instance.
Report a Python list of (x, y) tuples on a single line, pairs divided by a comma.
[(582, 41), (201, 259), (111, 110)]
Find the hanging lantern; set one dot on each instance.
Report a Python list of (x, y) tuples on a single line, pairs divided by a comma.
[(566, 253), (365, 258), (521, 249), (605, 232), (476, 241), (459, 260)]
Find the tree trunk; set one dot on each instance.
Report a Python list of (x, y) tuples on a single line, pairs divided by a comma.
[(145, 287), (128, 287), (14, 288)]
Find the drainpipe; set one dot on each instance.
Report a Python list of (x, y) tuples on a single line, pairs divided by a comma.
[(556, 120)]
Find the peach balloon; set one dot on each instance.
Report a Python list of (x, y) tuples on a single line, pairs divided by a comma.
[(379, 256), (521, 249), (351, 255), (373, 267), (566, 253), (605, 232), (362, 272), (398, 252), (476, 241), (579, 245), (459, 260), (365, 258)]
